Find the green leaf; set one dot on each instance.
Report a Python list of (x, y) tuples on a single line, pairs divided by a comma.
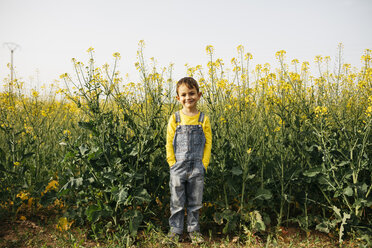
[(2, 155), (343, 163), (83, 149), (348, 191), (2, 168), (341, 232), (311, 148), (122, 196), (93, 213), (250, 176), (236, 171), (312, 172), (135, 222), (256, 218), (86, 125), (322, 227), (69, 155), (110, 175), (364, 188), (337, 211), (218, 218), (142, 196), (27, 155), (263, 194), (134, 152), (73, 183), (231, 220)]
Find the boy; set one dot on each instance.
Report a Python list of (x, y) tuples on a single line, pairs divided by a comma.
[(189, 143)]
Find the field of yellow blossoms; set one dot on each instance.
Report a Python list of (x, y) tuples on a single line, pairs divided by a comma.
[(290, 146)]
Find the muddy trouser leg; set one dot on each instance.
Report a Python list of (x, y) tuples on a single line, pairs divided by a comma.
[(194, 193), (177, 202)]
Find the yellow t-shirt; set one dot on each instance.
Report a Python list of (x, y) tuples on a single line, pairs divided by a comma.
[(189, 120)]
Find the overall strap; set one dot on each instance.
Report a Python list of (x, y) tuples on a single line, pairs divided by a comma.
[(178, 117), (201, 117)]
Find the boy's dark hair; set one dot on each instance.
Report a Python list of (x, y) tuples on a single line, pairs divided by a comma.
[(190, 83)]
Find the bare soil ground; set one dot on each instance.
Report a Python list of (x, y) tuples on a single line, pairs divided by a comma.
[(39, 233)]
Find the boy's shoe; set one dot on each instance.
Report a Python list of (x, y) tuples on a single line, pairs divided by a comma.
[(173, 238), (196, 237)]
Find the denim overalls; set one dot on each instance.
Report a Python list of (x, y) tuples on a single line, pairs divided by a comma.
[(187, 175)]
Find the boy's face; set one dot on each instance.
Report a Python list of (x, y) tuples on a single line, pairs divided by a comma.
[(188, 97)]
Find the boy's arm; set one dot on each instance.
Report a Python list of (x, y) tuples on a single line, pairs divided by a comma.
[(171, 129), (208, 141)]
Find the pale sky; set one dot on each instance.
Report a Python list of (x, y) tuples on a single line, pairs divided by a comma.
[(51, 32)]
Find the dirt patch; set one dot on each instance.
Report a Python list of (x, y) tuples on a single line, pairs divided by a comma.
[(28, 233), (21, 233), (37, 233)]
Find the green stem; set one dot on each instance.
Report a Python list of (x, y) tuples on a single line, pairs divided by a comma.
[(225, 193), (242, 198)]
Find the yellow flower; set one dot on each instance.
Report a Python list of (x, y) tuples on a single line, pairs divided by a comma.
[(52, 185), (267, 66), (369, 111), (17, 163), (285, 86), (58, 203), (209, 49), (141, 43), (221, 84), (248, 56), (22, 217), (240, 49), (320, 111), (35, 93), (249, 151), (318, 59), (64, 75), (117, 55), (294, 61), (258, 68), (366, 57), (29, 202), (305, 66), (280, 54), (63, 224), (217, 63), (23, 195), (237, 68), (90, 49), (158, 202), (67, 132)]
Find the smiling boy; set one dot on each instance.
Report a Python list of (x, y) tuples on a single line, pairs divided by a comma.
[(189, 143)]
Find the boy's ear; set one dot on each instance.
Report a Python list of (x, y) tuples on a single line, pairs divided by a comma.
[(178, 98)]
